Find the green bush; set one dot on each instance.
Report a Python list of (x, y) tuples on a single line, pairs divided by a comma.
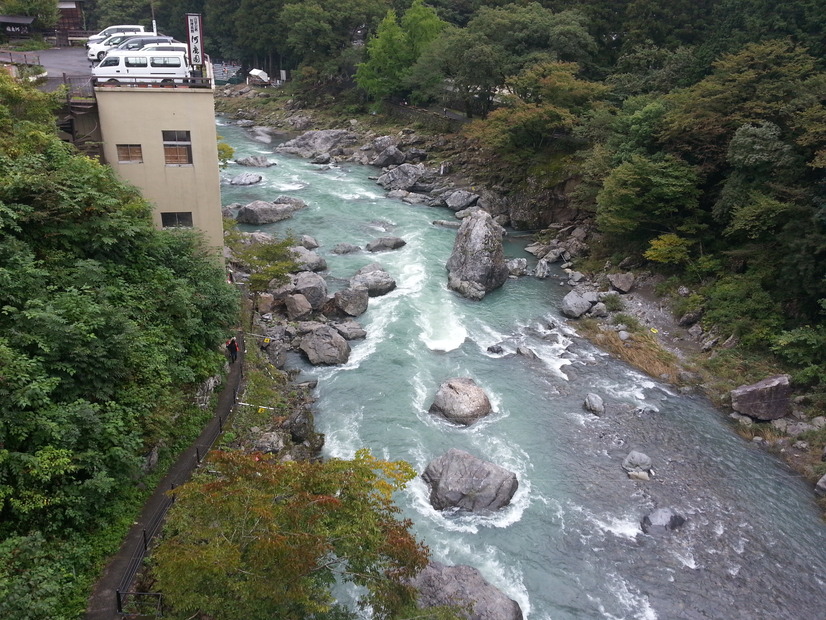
[(739, 305)]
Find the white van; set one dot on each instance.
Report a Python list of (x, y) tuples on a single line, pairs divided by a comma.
[(142, 66), (119, 29)]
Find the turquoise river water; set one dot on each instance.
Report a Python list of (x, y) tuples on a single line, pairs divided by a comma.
[(570, 545)]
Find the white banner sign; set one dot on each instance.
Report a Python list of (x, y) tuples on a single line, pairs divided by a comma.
[(195, 38)]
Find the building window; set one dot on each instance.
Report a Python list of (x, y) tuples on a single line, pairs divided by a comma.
[(130, 154), (177, 148), (182, 219)]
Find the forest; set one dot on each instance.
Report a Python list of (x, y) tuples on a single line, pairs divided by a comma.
[(695, 131)]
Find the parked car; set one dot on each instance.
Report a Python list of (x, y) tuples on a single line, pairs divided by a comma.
[(111, 30), (142, 66), (167, 47), (98, 50), (139, 42)]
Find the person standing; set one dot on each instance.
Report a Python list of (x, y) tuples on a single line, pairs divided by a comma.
[(232, 347)]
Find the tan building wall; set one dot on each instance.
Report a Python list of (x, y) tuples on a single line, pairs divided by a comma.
[(144, 132)]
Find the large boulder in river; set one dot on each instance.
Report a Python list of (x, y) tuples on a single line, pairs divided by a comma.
[(312, 286), (317, 142), (662, 521), (263, 212), (246, 178), (374, 278), (325, 346), (351, 301), (477, 264), (383, 244), (307, 259), (461, 401), (765, 400), (460, 480), (297, 306), (464, 587), (460, 199), (255, 161), (403, 177)]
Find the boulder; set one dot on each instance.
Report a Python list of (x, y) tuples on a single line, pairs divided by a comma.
[(463, 586), (325, 346), (312, 286), (308, 242), (351, 301), (575, 304), (542, 269), (255, 161), (460, 199), (594, 404), (374, 278), (820, 487), (460, 480), (404, 177), (662, 521), (622, 282), (263, 212), (477, 264), (768, 399), (391, 156), (517, 266), (461, 401), (385, 243), (636, 462), (246, 178), (350, 329), (316, 142), (345, 248), (307, 259), (298, 308), (271, 442)]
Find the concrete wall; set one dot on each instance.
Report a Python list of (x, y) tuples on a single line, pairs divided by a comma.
[(138, 116)]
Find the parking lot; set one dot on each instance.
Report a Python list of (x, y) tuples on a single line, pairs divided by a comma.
[(69, 61)]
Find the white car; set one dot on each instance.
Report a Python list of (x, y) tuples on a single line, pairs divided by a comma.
[(112, 30), (98, 50)]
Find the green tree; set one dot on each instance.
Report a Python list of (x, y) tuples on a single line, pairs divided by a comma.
[(643, 197), (389, 55), (422, 25), (250, 537)]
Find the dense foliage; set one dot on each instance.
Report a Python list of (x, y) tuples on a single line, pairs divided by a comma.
[(251, 537), (103, 320)]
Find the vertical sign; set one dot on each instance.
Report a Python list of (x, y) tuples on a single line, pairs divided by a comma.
[(195, 39)]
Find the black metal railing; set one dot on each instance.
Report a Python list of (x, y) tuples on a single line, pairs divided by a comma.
[(127, 601), (117, 81)]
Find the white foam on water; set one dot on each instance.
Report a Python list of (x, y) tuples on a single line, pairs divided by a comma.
[(634, 604), (686, 558), (343, 442), (623, 526)]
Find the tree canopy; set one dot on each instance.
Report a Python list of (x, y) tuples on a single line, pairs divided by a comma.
[(250, 537)]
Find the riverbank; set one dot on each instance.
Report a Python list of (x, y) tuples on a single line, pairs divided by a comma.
[(711, 370)]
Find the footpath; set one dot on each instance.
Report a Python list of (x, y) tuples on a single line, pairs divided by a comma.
[(103, 603)]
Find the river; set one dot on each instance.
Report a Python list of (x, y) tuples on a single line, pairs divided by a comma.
[(570, 545)]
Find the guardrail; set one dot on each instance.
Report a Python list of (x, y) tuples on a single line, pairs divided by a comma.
[(19, 58), (117, 81), (130, 603)]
